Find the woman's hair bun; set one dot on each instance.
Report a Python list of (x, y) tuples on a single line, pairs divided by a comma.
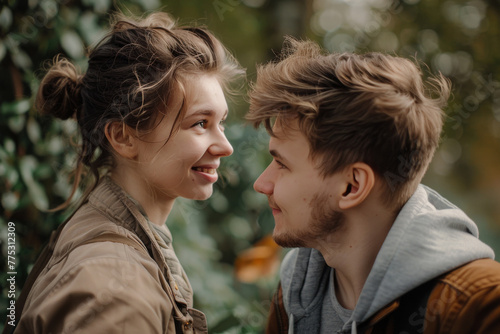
[(59, 92)]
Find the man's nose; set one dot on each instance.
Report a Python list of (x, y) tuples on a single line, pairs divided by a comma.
[(264, 183)]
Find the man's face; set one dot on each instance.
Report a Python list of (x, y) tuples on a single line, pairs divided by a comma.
[(303, 202)]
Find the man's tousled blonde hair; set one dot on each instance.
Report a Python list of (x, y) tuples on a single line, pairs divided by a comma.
[(372, 108)]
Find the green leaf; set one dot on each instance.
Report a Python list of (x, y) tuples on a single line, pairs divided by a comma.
[(38, 195), (9, 174), (9, 146), (12, 176), (33, 130), (55, 145), (3, 155), (218, 202), (100, 6), (149, 4), (72, 44), (43, 171), (3, 50), (15, 108), (21, 59), (16, 123), (5, 19), (9, 200), (27, 166), (89, 27)]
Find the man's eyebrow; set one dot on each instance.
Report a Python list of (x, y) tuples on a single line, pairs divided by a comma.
[(277, 155)]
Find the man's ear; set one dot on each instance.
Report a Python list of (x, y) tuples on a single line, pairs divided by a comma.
[(360, 182), (122, 140)]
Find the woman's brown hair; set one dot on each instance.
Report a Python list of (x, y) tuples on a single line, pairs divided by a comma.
[(132, 73)]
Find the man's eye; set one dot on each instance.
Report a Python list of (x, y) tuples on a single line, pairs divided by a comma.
[(280, 165)]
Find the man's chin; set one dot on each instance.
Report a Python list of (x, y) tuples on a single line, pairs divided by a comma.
[(287, 240)]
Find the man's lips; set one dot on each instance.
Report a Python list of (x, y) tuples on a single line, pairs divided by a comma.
[(276, 211), (274, 207)]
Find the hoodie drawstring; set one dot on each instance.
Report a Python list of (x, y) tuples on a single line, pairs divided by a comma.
[(354, 329)]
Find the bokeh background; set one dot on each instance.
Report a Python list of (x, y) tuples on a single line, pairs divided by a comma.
[(223, 242)]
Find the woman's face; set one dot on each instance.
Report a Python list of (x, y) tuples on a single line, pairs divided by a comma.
[(186, 165)]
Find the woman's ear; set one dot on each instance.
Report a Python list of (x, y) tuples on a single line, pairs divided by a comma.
[(122, 140), (361, 180)]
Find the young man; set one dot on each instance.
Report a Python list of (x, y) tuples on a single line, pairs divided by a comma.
[(374, 251)]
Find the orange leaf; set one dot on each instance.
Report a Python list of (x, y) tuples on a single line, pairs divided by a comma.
[(262, 260)]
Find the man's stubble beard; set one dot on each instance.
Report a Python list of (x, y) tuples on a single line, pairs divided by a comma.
[(324, 221)]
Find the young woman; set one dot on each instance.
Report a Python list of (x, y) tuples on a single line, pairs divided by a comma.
[(150, 109)]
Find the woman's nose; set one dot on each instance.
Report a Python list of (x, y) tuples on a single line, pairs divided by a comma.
[(222, 147)]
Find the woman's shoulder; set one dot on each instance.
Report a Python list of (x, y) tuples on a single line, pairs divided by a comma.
[(99, 284), (95, 260), (85, 224), (93, 240)]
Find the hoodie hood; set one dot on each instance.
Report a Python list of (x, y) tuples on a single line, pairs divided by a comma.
[(429, 237)]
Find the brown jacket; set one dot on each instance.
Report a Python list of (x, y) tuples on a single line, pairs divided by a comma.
[(107, 287), (463, 301)]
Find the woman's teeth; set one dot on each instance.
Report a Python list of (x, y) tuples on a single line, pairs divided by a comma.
[(205, 170)]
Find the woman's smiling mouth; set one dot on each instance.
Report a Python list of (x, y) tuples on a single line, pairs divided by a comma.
[(205, 170)]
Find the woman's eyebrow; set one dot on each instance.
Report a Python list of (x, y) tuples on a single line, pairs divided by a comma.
[(205, 112)]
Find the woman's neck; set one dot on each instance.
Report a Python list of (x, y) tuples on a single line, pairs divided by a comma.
[(156, 208)]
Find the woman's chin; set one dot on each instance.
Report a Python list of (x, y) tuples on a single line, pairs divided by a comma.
[(201, 196)]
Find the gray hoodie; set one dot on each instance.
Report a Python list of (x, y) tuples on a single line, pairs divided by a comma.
[(429, 237)]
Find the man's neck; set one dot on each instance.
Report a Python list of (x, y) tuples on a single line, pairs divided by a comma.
[(353, 251)]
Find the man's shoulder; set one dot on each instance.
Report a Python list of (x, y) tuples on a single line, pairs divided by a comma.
[(466, 300), (475, 275)]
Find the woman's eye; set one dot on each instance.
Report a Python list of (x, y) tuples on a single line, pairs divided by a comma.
[(222, 123), (202, 124)]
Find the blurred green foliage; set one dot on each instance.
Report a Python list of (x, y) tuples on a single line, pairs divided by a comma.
[(457, 37)]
